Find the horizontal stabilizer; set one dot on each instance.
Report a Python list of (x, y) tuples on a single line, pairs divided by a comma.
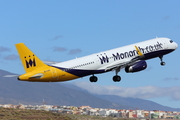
[(10, 75)]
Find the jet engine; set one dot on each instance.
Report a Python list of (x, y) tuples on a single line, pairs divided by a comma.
[(136, 67)]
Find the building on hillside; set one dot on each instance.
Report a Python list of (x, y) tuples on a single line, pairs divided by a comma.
[(130, 114)]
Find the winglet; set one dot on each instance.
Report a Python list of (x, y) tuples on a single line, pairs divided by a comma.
[(138, 51)]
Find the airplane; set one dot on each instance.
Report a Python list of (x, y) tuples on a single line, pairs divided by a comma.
[(132, 58)]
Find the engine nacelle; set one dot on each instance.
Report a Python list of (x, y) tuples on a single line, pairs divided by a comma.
[(136, 67)]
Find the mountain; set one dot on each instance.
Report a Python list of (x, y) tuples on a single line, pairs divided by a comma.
[(13, 91), (136, 103), (130, 103)]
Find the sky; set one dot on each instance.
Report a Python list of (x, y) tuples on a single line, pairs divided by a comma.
[(60, 30)]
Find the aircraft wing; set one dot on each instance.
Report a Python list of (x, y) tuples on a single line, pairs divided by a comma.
[(50, 62), (115, 66), (128, 62)]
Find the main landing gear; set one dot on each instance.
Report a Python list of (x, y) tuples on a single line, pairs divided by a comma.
[(93, 79), (161, 58), (116, 78)]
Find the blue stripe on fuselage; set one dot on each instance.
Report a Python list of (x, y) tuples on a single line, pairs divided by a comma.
[(157, 54), (80, 72)]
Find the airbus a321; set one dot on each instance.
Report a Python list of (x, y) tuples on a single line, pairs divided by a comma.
[(131, 58)]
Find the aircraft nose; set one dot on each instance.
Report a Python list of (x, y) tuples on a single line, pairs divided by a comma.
[(176, 45)]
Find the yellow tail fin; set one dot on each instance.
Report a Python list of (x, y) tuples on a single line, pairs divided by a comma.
[(29, 60)]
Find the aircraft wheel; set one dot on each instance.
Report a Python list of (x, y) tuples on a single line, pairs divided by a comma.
[(93, 79), (116, 78), (163, 63)]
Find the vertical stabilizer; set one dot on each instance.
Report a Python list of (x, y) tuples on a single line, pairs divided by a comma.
[(29, 60)]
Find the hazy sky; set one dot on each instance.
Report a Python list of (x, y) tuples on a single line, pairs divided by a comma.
[(59, 30)]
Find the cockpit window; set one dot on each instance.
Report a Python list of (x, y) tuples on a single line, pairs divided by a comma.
[(171, 41)]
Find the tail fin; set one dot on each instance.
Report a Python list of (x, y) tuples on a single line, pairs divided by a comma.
[(29, 60)]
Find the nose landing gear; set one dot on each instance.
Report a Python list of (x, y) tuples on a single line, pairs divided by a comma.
[(161, 58)]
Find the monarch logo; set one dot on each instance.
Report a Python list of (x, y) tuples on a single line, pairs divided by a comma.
[(30, 63), (103, 59)]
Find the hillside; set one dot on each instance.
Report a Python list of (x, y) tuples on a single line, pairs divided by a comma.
[(13, 91), (136, 103), (129, 103), (24, 114), (20, 114)]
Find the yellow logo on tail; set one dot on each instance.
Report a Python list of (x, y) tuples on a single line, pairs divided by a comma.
[(30, 63)]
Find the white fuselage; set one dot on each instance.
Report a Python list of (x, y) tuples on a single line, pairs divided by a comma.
[(119, 57), (131, 57)]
